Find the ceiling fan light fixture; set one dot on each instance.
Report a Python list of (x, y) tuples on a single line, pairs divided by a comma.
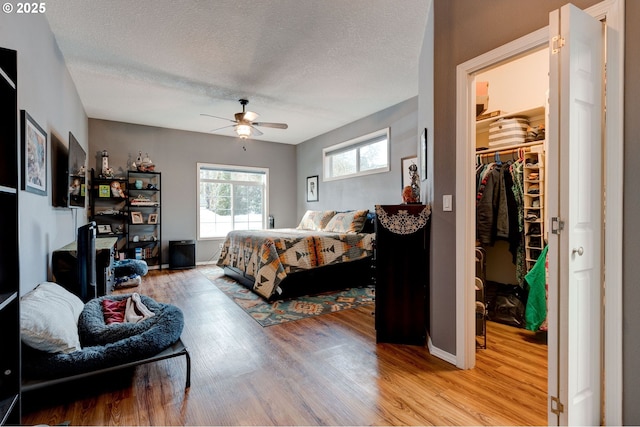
[(243, 131)]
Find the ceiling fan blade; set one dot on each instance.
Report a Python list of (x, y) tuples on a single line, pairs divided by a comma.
[(256, 132), (271, 125), (223, 127), (216, 117)]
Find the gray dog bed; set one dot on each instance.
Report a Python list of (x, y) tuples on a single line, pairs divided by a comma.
[(106, 346), (129, 267)]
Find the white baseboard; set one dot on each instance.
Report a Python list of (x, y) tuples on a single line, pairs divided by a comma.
[(441, 354), (206, 262)]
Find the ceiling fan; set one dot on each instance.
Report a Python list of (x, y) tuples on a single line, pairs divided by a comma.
[(244, 123)]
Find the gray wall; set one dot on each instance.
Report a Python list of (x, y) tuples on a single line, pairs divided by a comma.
[(47, 93), (367, 191), (176, 154)]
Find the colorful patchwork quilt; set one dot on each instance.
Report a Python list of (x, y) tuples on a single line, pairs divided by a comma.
[(270, 255)]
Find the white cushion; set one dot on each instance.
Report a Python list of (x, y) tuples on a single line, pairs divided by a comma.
[(49, 319)]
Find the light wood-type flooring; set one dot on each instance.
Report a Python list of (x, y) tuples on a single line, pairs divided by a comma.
[(325, 370)]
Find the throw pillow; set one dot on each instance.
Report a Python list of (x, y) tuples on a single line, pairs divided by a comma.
[(113, 310), (347, 222), (49, 319), (315, 220)]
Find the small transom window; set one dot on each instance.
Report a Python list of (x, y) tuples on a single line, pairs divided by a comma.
[(360, 156)]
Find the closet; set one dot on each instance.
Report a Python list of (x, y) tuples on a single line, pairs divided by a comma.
[(510, 182)]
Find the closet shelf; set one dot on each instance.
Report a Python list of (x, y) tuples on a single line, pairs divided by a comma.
[(535, 114), (514, 148)]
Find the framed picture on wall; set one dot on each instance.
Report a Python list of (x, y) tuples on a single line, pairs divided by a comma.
[(34, 156), (423, 155), (312, 188), (406, 162)]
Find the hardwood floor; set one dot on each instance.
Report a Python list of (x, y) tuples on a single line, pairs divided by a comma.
[(326, 370)]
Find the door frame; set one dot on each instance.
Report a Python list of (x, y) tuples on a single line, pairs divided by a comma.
[(613, 12)]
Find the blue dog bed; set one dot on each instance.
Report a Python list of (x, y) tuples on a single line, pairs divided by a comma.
[(129, 267), (106, 346)]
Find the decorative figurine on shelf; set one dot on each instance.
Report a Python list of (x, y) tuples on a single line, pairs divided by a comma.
[(407, 195), (107, 172), (147, 163), (144, 164), (116, 189), (414, 195), (74, 189)]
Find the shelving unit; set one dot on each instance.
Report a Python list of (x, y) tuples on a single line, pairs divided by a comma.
[(144, 228), (534, 206), (9, 250), (108, 208)]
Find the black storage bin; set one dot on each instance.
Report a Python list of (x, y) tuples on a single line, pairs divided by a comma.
[(182, 254)]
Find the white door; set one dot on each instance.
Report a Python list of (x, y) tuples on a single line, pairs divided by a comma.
[(575, 255)]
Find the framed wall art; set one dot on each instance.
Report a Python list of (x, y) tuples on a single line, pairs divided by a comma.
[(153, 218), (34, 155), (312, 188), (423, 155), (406, 162)]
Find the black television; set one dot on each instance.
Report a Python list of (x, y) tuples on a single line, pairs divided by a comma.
[(59, 172), (86, 261), (77, 173)]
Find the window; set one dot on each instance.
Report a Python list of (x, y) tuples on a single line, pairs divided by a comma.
[(231, 198), (360, 156)]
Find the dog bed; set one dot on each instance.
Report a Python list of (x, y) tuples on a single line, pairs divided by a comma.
[(129, 267), (105, 346)]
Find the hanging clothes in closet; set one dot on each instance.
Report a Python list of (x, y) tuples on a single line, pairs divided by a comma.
[(500, 206)]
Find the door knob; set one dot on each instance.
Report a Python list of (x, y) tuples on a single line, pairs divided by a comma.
[(578, 251)]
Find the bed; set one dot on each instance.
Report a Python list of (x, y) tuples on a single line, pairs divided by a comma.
[(327, 251)]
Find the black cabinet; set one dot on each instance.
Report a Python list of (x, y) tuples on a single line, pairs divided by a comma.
[(9, 249), (182, 254), (64, 265), (402, 273)]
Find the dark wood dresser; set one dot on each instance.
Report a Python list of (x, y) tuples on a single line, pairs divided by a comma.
[(402, 273)]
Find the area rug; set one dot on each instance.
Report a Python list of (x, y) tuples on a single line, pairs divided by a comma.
[(275, 313)]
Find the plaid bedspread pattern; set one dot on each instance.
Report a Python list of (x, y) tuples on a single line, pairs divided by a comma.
[(270, 255)]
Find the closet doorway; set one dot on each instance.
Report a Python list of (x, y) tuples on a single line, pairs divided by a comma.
[(510, 152), (511, 190), (610, 13)]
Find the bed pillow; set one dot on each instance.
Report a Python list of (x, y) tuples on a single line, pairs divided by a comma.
[(347, 222), (315, 220), (49, 319)]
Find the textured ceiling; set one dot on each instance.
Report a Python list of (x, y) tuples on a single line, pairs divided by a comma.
[(314, 64)]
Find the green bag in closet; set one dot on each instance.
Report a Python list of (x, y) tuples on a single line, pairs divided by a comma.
[(536, 311)]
